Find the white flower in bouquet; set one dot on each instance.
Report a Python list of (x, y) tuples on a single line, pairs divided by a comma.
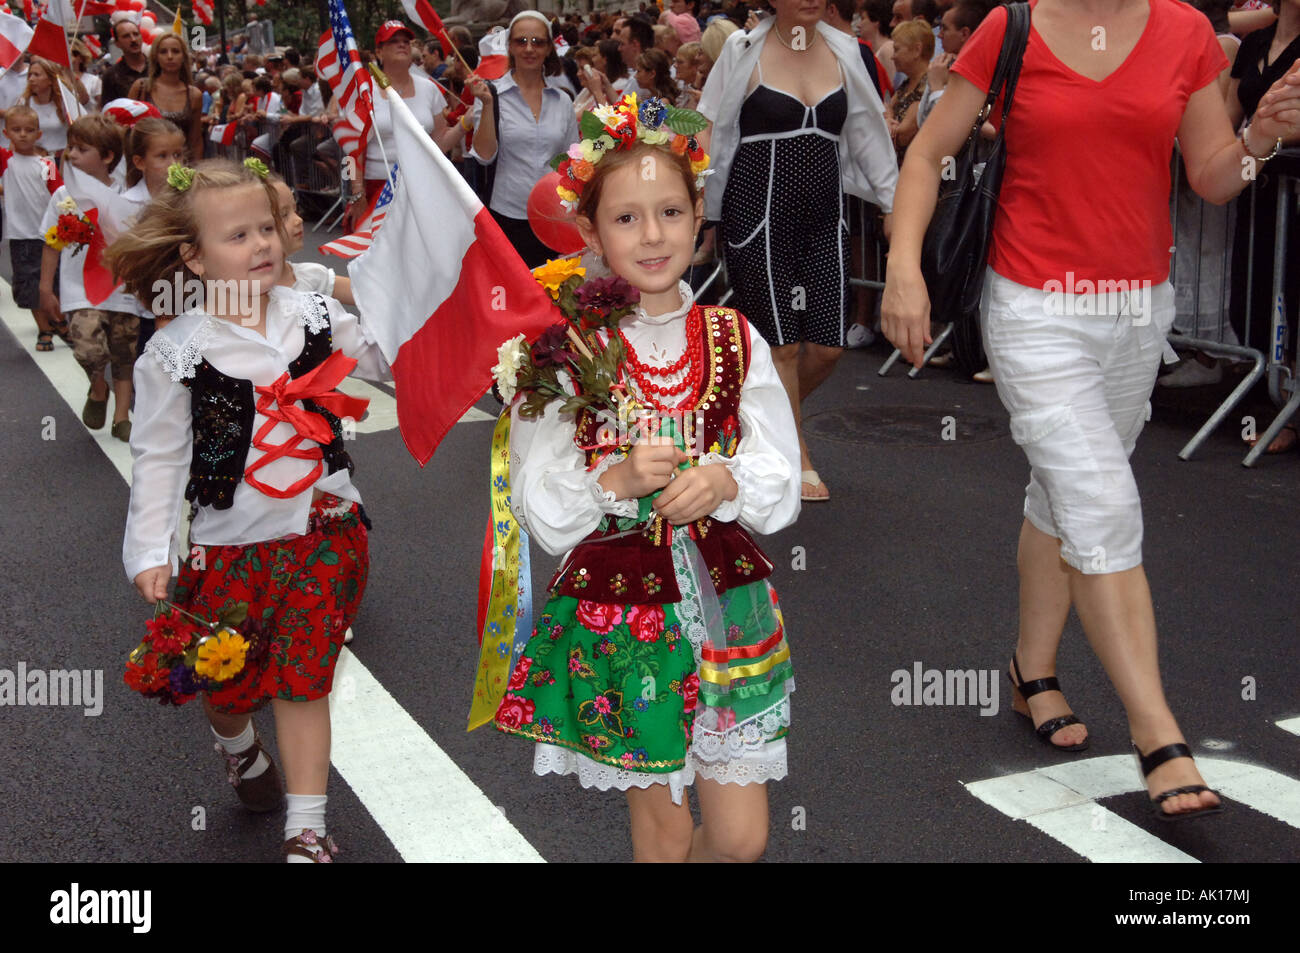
[(510, 357)]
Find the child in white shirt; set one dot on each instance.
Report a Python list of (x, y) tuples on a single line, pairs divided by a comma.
[(29, 180)]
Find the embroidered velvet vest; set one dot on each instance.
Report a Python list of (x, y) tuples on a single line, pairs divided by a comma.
[(222, 410), (638, 567)]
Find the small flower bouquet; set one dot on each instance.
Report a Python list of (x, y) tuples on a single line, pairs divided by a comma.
[(70, 229), (182, 655), (572, 346)]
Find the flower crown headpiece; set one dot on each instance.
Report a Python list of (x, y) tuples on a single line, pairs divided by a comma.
[(622, 125), (181, 177)]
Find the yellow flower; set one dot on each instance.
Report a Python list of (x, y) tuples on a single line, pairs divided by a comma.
[(593, 149), (221, 656), (699, 165), (567, 194), (556, 272), (52, 238)]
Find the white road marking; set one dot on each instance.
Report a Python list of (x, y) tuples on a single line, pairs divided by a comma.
[(1060, 800), (1290, 724), (422, 801)]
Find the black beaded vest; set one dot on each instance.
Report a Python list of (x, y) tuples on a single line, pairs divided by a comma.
[(616, 567), (222, 410)]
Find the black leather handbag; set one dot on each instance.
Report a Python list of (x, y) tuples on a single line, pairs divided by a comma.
[(956, 244)]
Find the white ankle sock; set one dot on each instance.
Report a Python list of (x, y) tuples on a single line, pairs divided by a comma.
[(241, 743), (304, 811)]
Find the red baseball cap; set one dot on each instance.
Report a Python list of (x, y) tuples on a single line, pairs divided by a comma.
[(390, 29)]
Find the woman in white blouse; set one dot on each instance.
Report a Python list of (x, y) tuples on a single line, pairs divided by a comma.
[(426, 102), (535, 122), (44, 96)]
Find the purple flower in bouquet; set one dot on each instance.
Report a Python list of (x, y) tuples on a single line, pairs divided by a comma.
[(607, 294), (552, 347), (182, 685)]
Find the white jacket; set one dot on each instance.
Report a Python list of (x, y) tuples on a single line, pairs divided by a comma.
[(868, 165)]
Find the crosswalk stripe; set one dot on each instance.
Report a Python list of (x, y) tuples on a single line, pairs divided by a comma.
[(426, 805), (1060, 800)]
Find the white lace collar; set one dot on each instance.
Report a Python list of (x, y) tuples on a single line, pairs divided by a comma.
[(688, 299), (179, 346)]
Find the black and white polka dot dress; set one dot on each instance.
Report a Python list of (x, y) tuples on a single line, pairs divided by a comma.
[(785, 240)]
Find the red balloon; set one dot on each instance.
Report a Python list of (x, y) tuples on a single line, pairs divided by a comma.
[(554, 227)]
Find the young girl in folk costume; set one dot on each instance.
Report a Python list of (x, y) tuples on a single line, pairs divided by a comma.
[(660, 659), (235, 411)]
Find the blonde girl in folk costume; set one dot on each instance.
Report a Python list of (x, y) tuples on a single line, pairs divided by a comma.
[(660, 659), (236, 412)]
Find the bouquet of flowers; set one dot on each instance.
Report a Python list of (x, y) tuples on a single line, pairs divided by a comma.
[(573, 345), (182, 655), (71, 228)]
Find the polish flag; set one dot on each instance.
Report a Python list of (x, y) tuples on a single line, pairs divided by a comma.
[(49, 39), (423, 13), (441, 288), (91, 197), (225, 133), (493, 54), (14, 37)]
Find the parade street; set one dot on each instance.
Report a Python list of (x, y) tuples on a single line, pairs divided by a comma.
[(900, 603)]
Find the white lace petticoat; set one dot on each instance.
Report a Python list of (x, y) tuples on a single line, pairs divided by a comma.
[(767, 763)]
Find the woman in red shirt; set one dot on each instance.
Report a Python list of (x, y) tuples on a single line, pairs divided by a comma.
[(1076, 307)]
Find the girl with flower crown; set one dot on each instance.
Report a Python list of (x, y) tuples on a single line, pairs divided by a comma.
[(660, 659), (236, 411)]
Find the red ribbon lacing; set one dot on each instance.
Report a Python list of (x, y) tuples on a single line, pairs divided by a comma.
[(279, 402)]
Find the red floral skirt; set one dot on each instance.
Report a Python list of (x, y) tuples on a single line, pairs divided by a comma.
[(302, 591)]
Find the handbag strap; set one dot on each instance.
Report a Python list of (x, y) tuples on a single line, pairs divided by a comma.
[(1007, 72)]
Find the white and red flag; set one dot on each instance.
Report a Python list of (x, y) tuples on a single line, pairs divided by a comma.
[(203, 11), (338, 61), (14, 37), (49, 39), (224, 133), (441, 288), (422, 12)]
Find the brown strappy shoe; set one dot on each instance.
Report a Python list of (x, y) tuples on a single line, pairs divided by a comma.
[(260, 794), (326, 849)]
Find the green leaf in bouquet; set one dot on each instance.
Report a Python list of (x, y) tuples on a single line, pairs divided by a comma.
[(574, 405), (589, 127), (234, 616), (556, 160), (685, 122)]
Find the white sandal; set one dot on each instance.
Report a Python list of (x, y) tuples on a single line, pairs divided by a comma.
[(811, 478)]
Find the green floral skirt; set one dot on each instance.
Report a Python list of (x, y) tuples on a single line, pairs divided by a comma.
[(657, 688)]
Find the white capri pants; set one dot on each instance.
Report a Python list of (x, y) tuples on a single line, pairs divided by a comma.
[(1075, 372)]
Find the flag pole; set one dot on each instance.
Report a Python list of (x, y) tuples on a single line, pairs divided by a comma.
[(384, 83)]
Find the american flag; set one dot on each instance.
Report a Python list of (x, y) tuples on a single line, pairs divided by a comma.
[(349, 82), (349, 246)]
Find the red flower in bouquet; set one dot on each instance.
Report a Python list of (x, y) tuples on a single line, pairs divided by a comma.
[(169, 633), (146, 676)]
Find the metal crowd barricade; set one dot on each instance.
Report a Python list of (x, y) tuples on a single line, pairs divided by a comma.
[(1281, 376), (1207, 245)]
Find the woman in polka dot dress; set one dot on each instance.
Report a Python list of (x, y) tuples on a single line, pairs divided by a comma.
[(796, 124)]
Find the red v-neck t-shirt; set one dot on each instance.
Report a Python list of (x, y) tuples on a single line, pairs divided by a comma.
[(1086, 187)]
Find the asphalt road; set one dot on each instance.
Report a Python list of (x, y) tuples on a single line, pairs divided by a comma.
[(912, 561)]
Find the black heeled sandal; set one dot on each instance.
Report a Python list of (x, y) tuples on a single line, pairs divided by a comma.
[(1149, 762), (1050, 727)]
